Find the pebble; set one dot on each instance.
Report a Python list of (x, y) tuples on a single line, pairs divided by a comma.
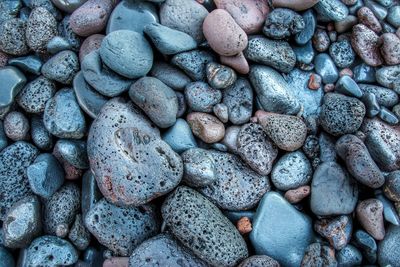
[(6, 258), (387, 116), (256, 149), (278, 224), (341, 114), (273, 91), (193, 63), (393, 16), (333, 191), (286, 131), (230, 138), (281, 23), (116, 262), (78, 234), (60, 210), (91, 17), (239, 100), (179, 136), (40, 29), (90, 192), (57, 44), (117, 53), (132, 15), (9, 9), (62, 67), (367, 245), (14, 160), (346, 24), (237, 62), (367, 17), (47, 4), (294, 196), (220, 76), (63, 116), (22, 223), (50, 251), (12, 37), (157, 100), (201, 97), (169, 41), (387, 75), (385, 97), (319, 254), (199, 167), (383, 143), (326, 68), (332, 9), (337, 230), (90, 44), (206, 127), (321, 40), (33, 97), (31, 64), (364, 73), (359, 162), (16, 126), (379, 11), (73, 151), (276, 54), (342, 53), (221, 244), (39, 134), (371, 104), (45, 175), (182, 106), (13, 81), (349, 256), (388, 254), (221, 111), (365, 43), (391, 188), (291, 171), (389, 212), (370, 215), (347, 86), (304, 55), (170, 75), (68, 6), (390, 48)]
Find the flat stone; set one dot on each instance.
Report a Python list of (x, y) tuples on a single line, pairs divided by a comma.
[(31, 63), (206, 127), (278, 224)]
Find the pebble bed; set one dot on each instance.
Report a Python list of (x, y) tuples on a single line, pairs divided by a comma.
[(249, 133)]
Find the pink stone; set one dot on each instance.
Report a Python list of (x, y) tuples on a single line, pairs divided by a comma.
[(297, 5), (116, 262), (366, 44), (90, 44), (366, 17), (223, 34), (249, 14), (206, 127), (296, 195), (238, 63), (390, 48), (370, 215)]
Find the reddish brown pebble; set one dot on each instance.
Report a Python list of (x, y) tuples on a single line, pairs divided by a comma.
[(390, 48), (366, 44), (296, 195), (315, 81), (366, 17), (244, 225), (223, 34), (370, 215), (91, 17), (346, 72), (238, 63), (206, 127), (3, 59), (90, 44), (116, 262), (249, 14), (329, 87), (297, 5)]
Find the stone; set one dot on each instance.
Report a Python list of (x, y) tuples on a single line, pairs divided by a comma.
[(206, 127), (65, 31), (60, 210), (39, 134), (47, 4), (388, 254), (347, 86), (50, 251), (281, 23), (365, 43), (117, 53), (294, 196), (90, 192), (273, 91), (333, 191), (370, 215), (367, 17), (179, 136), (230, 138), (367, 245), (157, 100), (45, 175), (201, 97), (321, 40), (199, 167), (170, 75), (337, 230), (16, 126), (6, 258), (131, 144), (239, 100), (390, 48), (273, 53), (310, 22), (13, 81), (393, 16), (346, 24), (90, 44), (14, 185), (364, 73), (319, 254), (342, 53), (193, 63), (341, 114), (326, 68), (389, 211), (349, 256), (57, 44), (359, 161), (291, 171), (63, 116), (40, 29), (331, 10), (13, 38), (33, 97), (259, 260), (185, 16), (221, 243), (62, 67), (278, 224), (238, 63), (163, 250), (68, 6), (387, 75), (220, 76), (22, 223), (391, 188), (221, 111), (116, 262), (182, 106), (31, 63), (132, 15), (297, 5), (286, 131), (169, 41), (256, 149), (379, 11), (78, 234), (73, 151), (384, 96)]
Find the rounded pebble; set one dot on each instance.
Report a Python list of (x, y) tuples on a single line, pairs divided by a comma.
[(40, 29), (201, 97), (16, 126), (370, 215), (206, 127), (62, 67), (12, 37)]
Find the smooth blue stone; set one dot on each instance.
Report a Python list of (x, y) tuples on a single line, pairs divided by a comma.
[(332, 10), (371, 105), (310, 21), (394, 16), (364, 73), (366, 244), (74, 152), (32, 64), (379, 11), (12, 81), (349, 256), (24, 13), (3, 137), (347, 86), (280, 230), (386, 97), (180, 136), (58, 44), (326, 68), (6, 258), (387, 28), (90, 192), (385, 3), (354, 8), (389, 211), (304, 54), (388, 116)]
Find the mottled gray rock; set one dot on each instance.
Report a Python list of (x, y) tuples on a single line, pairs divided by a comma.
[(199, 167), (331, 10), (201, 97), (385, 97), (281, 23), (194, 63), (170, 75), (39, 134), (349, 256), (13, 38), (388, 252), (239, 100), (62, 67), (78, 234), (387, 75), (73, 151), (16, 126), (319, 254), (342, 53), (259, 261)]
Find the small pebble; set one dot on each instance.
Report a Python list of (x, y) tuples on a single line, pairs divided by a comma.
[(16, 126), (201, 97), (237, 62), (281, 23), (370, 215), (179, 136), (331, 9), (318, 253), (206, 127), (57, 44), (390, 48), (367, 17), (365, 43), (371, 105), (244, 225), (321, 40), (294, 196), (78, 234), (349, 256), (220, 76), (337, 230), (326, 68), (221, 111), (193, 63), (62, 67), (170, 75), (199, 168), (239, 100), (342, 53), (367, 245), (40, 29), (39, 134)]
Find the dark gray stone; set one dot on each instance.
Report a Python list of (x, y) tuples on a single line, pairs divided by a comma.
[(385, 97), (194, 63), (13, 38), (62, 67), (367, 245), (364, 73), (281, 23), (201, 97), (78, 234), (310, 23), (39, 134), (304, 55), (349, 256), (57, 44), (199, 167), (326, 68), (342, 53), (73, 151), (90, 192)]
